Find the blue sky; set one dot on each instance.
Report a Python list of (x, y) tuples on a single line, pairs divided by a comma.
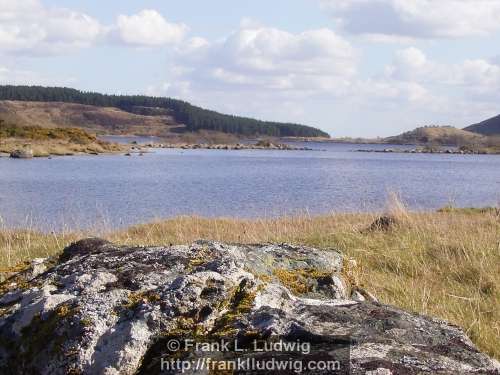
[(350, 67)]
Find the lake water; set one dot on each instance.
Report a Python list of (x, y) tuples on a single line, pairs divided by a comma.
[(126, 139), (116, 190)]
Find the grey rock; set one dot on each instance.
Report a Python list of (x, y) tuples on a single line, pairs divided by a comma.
[(106, 309), (22, 154)]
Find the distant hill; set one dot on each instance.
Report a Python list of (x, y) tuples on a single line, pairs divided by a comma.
[(486, 127), (100, 120), (187, 117), (436, 135)]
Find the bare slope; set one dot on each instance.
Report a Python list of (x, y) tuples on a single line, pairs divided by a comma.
[(104, 120)]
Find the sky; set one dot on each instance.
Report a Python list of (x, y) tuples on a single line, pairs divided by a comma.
[(359, 68)]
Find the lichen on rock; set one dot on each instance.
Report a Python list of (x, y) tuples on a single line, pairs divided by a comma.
[(106, 309)]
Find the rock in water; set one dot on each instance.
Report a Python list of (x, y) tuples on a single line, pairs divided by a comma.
[(22, 154), (105, 309)]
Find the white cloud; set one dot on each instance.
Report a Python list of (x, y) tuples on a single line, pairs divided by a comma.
[(462, 89), (14, 76), (29, 27), (26, 26), (148, 28), (409, 64), (475, 75), (271, 59), (416, 18)]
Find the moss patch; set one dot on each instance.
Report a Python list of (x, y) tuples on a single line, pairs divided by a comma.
[(302, 280), (137, 298)]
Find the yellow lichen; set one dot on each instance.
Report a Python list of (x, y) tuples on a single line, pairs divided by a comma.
[(299, 280), (137, 298)]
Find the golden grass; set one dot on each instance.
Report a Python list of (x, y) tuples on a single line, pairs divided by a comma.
[(444, 264), (59, 147), (52, 141)]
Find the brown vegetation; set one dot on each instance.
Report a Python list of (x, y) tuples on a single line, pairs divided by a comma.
[(52, 141), (101, 120)]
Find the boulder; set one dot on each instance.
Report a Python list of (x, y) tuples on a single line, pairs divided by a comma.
[(22, 154), (106, 309), (383, 223)]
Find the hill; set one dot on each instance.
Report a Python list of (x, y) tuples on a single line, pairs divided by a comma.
[(193, 118), (100, 120), (437, 135), (486, 127)]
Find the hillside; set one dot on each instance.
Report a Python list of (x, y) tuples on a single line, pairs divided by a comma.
[(192, 117), (486, 127), (101, 120), (437, 135)]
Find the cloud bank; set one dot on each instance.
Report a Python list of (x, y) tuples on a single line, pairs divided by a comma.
[(29, 27), (416, 18)]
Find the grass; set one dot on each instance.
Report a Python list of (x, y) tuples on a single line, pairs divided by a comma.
[(444, 264), (37, 133)]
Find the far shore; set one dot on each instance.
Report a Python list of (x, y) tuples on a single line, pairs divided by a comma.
[(28, 148), (440, 150), (260, 145)]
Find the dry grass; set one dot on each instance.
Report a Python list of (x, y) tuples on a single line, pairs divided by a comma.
[(91, 118), (444, 264), (60, 147), (52, 141), (439, 135)]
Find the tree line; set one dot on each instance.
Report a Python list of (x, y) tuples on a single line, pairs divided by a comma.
[(193, 117)]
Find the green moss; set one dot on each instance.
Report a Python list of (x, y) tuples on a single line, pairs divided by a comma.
[(301, 280), (17, 281), (240, 303), (42, 334), (136, 299), (86, 322)]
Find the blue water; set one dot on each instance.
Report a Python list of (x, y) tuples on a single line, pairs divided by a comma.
[(115, 190)]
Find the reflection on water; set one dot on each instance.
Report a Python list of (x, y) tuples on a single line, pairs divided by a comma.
[(126, 139)]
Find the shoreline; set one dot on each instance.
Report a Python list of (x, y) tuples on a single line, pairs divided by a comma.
[(447, 151), (27, 148), (226, 146), (19, 148)]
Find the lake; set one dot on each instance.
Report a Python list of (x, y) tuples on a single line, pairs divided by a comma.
[(115, 190)]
